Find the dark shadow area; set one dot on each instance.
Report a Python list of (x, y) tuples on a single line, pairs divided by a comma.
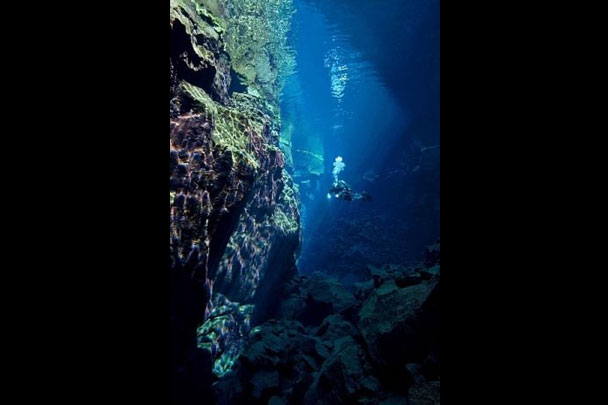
[(189, 66), (235, 84)]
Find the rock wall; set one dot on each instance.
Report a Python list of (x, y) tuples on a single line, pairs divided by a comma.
[(234, 221)]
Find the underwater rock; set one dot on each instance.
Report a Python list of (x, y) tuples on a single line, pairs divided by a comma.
[(345, 376), (400, 326), (414, 370), (309, 158), (276, 401), (384, 350), (278, 343), (432, 255), (401, 276), (256, 38), (328, 366), (235, 228), (322, 350), (327, 292), (429, 273), (197, 54), (264, 381), (430, 368), (280, 347), (425, 394), (234, 221), (335, 327), (312, 299), (363, 289)]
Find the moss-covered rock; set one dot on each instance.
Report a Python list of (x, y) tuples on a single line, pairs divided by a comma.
[(234, 208), (197, 50), (257, 35)]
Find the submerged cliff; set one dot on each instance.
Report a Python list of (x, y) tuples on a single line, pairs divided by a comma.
[(234, 223)]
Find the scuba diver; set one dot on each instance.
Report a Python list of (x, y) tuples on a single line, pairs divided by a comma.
[(340, 189), (343, 191)]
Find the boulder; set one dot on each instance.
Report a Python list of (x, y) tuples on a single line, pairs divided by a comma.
[(264, 381), (275, 400), (363, 289), (400, 325), (425, 394), (334, 327), (312, 299), (344, 377), (432, 255)]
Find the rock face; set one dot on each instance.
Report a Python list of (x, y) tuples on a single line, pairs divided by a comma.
[(234, 224)]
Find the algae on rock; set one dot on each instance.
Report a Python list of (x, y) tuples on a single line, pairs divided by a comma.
[(257, 41), (234, 208)]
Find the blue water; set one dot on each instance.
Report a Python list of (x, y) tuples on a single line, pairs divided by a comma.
[(366, 89)]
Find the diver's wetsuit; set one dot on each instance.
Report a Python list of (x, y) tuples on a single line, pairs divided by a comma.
[(340, 189)]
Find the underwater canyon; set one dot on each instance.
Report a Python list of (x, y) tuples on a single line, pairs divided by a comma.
[(283, 292)]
